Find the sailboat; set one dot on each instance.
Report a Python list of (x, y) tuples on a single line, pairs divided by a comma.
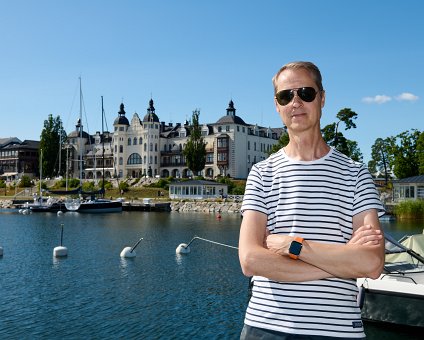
[(97, 204), (40, 204)]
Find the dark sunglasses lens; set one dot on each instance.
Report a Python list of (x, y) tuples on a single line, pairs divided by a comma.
[(284, 97), (307, 94)]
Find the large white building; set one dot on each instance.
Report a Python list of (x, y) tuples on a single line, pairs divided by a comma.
[(149, 147)]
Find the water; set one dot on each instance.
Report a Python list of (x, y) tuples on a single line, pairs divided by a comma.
[(93, 293)]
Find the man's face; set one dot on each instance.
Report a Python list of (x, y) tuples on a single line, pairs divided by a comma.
[(299, 115)]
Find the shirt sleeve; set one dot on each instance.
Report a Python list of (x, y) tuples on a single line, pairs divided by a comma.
[(254, 197), (366, 194)]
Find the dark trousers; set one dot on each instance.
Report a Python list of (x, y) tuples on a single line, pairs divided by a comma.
[(254, 333)]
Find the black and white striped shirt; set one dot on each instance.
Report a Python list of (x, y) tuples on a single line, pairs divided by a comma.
[(317, 201)]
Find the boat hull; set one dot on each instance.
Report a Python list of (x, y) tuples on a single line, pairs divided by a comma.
[(100, 207), (393, 308)]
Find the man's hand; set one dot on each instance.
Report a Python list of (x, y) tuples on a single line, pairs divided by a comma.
[(279, 244), (366, 235)]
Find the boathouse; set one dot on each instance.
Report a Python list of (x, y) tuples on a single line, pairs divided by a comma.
[(410, 188), (197, 189)]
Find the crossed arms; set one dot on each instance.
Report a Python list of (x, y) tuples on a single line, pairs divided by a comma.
[(267, 255)]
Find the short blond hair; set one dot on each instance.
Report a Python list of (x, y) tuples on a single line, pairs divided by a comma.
[(296, 65)]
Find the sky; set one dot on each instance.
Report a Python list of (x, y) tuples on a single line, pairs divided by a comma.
[(188, 55)]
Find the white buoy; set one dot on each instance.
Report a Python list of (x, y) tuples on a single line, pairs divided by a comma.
[(60, 213), (1, 251), (129, 251), (126, 252), (183, 248), (60, 251)]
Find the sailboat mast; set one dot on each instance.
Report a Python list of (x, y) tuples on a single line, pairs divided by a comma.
[(80, 139), (103, 152)]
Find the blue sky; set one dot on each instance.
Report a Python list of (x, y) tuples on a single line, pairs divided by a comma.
[(200, 54)]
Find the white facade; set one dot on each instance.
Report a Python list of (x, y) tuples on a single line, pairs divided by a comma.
[(148, 147)]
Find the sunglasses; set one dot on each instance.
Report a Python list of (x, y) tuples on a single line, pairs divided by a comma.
[(307, 94)]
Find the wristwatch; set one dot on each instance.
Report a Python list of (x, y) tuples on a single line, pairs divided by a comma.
[(295, 247)]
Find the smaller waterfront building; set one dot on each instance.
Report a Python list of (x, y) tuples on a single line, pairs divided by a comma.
[(18, 158), (197, 189), (410, 188)]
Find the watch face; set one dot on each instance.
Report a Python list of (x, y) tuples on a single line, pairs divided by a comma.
[(295, 248)]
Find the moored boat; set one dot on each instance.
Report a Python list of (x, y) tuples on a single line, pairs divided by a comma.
[(397, 296)]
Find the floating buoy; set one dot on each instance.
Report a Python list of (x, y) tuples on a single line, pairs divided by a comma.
[(129, 251), (1, 251), (60, 251), (60, 213), (183, 248), (126, 252)]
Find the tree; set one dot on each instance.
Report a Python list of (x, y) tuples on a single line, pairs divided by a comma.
[(420, 153), (336, 139), (195, 149), (50, 142), (282, 142), (381, 156), (405, 156)]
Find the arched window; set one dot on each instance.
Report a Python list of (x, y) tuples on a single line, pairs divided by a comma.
[(140, 141), (121, 148), (156, 146), (134, 158), (151, 146), (145, 147), (135, 141), (129, 141)]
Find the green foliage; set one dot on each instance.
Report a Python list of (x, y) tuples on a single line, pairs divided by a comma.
[(25, 182), (124, 186), (405, 157), (2, 184), (282, 142), (410, 209), (336, 139), (73, 183), (195, 149), (161, 183), (88, 186), (420, 153), (50, 143)]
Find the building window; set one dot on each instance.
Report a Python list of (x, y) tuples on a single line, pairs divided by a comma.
[(222, 157), (129, 141), (135, 158), (248, 145), (140, 141), (121, 148), (135, 141), (227, 128), (238, 128), (121, 161), (222, 142), (219, 128)]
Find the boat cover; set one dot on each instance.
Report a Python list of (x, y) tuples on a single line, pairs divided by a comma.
[(414, 242)]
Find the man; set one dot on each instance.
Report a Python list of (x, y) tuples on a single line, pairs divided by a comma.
[(310, 225)]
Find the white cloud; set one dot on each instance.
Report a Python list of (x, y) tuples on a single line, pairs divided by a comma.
[(406, 96), (378, 99)]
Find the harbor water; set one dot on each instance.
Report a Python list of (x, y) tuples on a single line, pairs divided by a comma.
[(93, 293)]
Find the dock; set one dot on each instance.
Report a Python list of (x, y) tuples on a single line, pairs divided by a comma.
[(144, 206)]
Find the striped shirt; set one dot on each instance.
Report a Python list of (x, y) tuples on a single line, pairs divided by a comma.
[(315, 200)]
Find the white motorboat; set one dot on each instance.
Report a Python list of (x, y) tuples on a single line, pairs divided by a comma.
[(397, 296)]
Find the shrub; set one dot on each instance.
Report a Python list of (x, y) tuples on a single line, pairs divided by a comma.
[(410, 209), (25, 182)]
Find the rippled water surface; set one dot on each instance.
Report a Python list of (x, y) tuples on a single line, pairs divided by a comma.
[(95, 294)]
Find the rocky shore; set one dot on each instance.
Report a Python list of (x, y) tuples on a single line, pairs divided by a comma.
[(206, 207)]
